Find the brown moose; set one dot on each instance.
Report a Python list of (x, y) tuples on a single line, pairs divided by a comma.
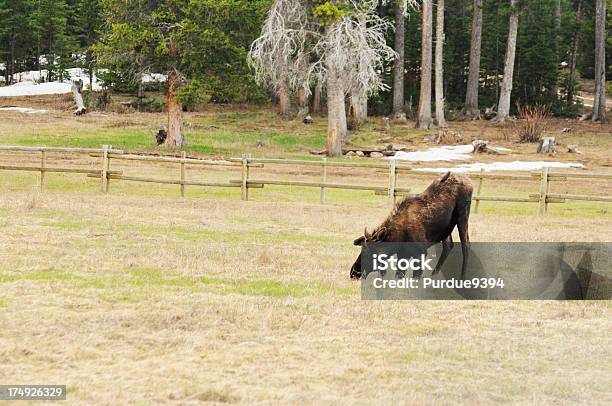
[(428, 218)]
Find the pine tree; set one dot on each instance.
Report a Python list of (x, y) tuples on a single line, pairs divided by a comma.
[(89, 25), (51, 23), (15, 36)]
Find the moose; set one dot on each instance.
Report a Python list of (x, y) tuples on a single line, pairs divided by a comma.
[(427, 218)]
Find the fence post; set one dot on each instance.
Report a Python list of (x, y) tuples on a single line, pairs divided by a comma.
[(245, 178), (479, 189), (183, 156), (543, 192), (105, 166), (323, 180), (43, 160), (392, 182)]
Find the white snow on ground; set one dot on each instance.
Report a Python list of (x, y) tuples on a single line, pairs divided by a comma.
[(33, 89), (29, 83), (454, 153), (463, 153), (504, 166), (23, 110)]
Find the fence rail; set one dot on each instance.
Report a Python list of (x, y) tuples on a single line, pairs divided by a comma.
[(245, 164)]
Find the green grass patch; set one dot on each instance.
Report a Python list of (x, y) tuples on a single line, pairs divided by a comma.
[(41, 275), (61, 137), (191, 234), (134, 285)]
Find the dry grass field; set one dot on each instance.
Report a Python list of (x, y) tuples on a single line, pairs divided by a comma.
[(142, 297), (134, 300)]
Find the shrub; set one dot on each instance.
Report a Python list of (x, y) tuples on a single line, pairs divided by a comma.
[(532, 122)]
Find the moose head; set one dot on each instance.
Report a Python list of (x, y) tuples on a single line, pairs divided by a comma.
[(378, 235)]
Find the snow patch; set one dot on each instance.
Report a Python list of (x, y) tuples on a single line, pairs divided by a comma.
[(23, 110), (448, 153), (30, 83), (33, 89), (504, 166), (464, 153)]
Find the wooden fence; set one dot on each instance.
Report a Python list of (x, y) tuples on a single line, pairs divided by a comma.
[(106, 154)]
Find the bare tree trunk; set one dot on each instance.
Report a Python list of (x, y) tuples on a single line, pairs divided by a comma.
[(336, 115), (555, 88), (302, 101), (441, 121), (175, 119), (599, 105), (572, 76), (424, 111), (359, 100), (503, 108), (471, 97), (316, 98), (13, 41), (77, 93), (398, 68), (358, 110), (284, 100)]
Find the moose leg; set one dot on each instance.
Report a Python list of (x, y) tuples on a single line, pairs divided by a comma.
[(447, 246), (462, 226)]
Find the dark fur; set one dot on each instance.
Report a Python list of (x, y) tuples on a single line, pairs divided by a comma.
[(428, 218)]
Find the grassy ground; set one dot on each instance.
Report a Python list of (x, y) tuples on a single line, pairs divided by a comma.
[(129, 299), (141, 297), (234, 130)]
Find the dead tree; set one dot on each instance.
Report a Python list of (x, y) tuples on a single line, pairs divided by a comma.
[(280, 56), (346, 55), (77, 93)]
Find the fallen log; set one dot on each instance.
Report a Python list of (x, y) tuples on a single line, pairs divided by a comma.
[(482, 147)]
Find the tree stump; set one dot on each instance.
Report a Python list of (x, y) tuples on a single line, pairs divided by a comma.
[(161, 136), (77, 92), (480, 146), (547, 146)]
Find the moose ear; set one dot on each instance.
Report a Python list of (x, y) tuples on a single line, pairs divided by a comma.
[(380, 234), (359, 240)]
